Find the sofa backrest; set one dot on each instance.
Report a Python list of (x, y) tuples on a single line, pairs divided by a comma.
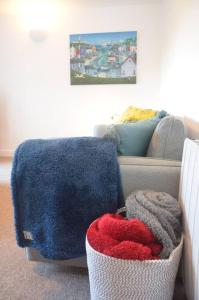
[(167, 140)]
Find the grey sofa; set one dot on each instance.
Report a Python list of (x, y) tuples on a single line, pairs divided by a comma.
[(160, 174)]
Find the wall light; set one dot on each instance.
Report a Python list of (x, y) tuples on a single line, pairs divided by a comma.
[(38, 17)]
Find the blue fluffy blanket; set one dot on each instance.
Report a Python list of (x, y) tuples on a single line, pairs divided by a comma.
[(59, 187)]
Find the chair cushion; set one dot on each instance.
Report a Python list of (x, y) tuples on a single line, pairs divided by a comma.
[(168, 139), (133, 138)]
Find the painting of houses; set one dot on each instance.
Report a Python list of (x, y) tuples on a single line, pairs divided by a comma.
[(103, 58)]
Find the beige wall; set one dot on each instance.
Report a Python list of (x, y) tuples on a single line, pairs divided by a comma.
[(36, 98), (180, 72)]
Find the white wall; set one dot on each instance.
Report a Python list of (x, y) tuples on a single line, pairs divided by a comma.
[(36, 98), (180, 72)]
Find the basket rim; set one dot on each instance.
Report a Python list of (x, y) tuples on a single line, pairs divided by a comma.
[(147, 261)]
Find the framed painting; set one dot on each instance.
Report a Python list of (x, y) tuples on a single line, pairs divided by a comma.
[(103, 58)]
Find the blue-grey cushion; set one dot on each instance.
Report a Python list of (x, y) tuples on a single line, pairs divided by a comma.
[(132, 138), (168, 139), (161, 114)]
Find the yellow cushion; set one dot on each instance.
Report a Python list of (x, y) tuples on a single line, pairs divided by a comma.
[(133, 113)]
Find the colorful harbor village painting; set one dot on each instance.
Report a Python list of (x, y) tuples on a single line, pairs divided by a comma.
[(103, 58)]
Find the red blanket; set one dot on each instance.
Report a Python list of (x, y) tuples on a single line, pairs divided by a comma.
[(115, 236)]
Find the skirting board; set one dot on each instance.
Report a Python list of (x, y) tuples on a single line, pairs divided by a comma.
[(6, 153)]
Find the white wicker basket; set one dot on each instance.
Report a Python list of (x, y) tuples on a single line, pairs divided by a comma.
[(118, 279)]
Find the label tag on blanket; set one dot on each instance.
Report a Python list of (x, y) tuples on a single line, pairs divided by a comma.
[(27, 235)]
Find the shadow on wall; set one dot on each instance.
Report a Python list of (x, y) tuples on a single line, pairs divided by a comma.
[(193, 128), (3, 121)]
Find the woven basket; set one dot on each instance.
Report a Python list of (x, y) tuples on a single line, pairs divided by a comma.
[(118, 279)]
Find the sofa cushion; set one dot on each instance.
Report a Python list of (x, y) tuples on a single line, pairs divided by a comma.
[(133, 113), (168, 139), (133, 138)]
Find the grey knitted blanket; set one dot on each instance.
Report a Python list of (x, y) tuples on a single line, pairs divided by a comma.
[(161, 212)]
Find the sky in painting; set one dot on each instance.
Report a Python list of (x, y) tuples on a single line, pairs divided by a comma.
[(100, 38)]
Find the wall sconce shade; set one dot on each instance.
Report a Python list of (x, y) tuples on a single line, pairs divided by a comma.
[(38, 17), (38, 35)]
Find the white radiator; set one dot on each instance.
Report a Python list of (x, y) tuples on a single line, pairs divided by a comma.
[(189, 197)]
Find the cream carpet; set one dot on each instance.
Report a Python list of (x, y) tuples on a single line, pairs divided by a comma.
[(24, 280)]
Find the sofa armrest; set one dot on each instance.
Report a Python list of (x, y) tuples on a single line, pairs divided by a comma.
[(149, 173), (100, 130)]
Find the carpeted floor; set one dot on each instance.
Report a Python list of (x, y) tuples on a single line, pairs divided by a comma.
[(24, 280)]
